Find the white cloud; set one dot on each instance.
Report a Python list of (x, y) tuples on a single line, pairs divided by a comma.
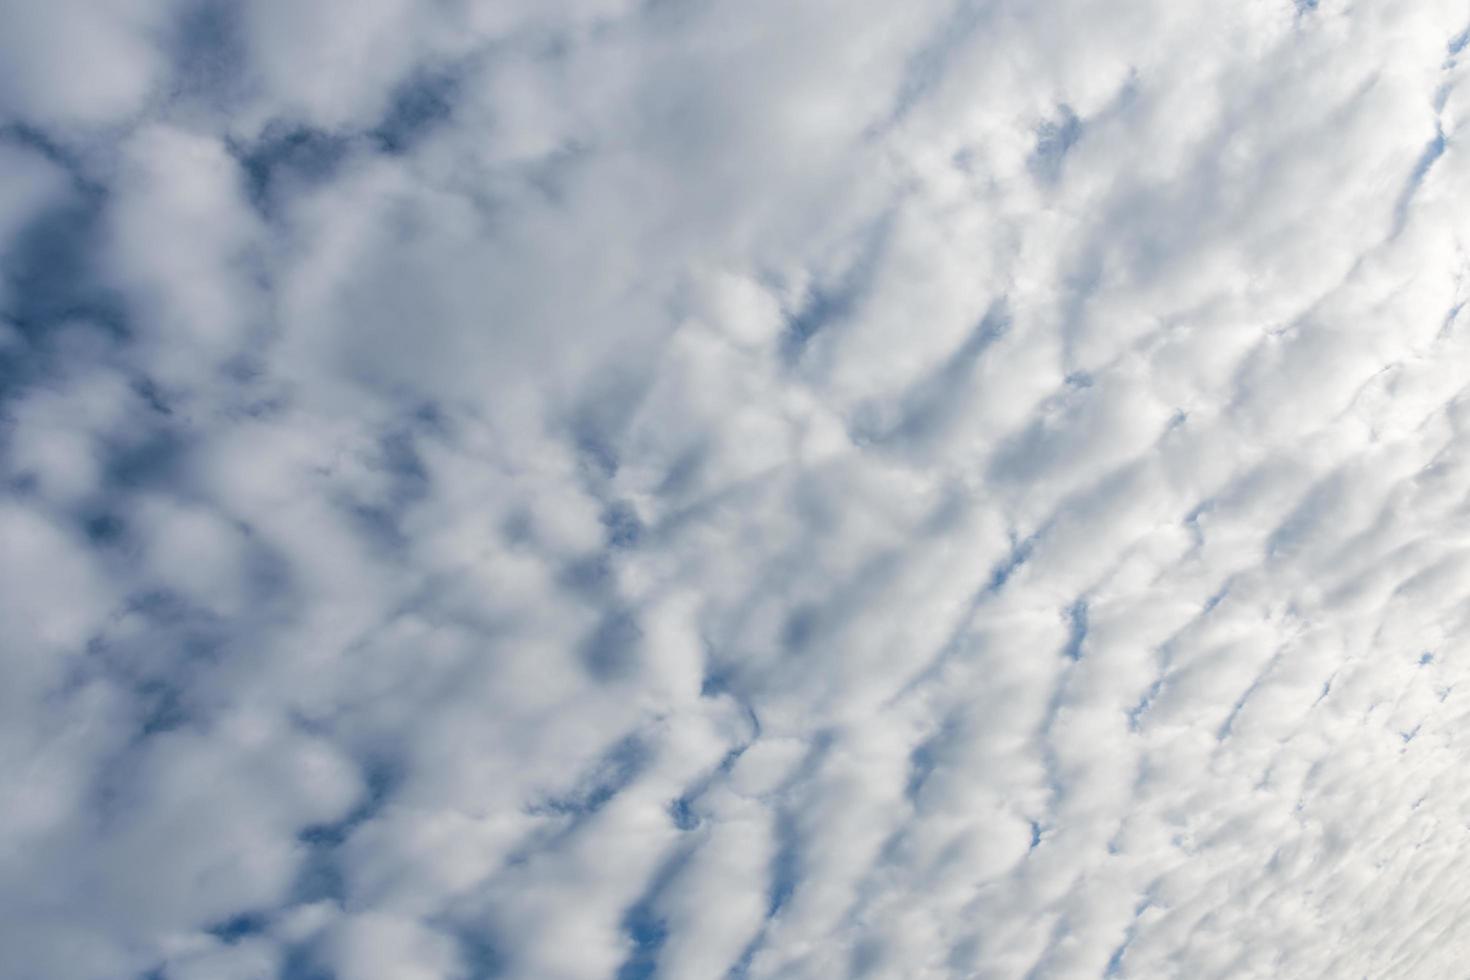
[(183, 243), (606, 490), (80, 62)]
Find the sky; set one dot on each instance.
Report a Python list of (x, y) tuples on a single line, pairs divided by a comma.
[(712, 490)]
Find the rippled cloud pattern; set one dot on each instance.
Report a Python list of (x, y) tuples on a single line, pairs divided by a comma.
[(710, 490)]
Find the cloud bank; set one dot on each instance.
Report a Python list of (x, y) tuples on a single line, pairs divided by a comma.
[(598, 489)]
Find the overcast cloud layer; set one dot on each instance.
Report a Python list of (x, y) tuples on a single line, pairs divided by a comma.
[(709, 489)]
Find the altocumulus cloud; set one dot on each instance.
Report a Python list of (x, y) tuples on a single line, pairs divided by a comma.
[(610, 489)]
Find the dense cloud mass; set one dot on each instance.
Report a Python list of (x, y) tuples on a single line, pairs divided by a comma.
[(706, 489)]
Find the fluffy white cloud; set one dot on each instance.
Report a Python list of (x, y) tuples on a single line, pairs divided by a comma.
[(620, 490), (81, 63)]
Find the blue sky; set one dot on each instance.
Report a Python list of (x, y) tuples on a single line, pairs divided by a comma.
[(598, 489)]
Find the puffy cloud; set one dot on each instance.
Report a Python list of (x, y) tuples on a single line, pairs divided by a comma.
[(608, 490), (81, 63), (183, 244)]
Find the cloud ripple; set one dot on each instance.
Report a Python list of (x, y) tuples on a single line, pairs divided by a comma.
[(709, 490)]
